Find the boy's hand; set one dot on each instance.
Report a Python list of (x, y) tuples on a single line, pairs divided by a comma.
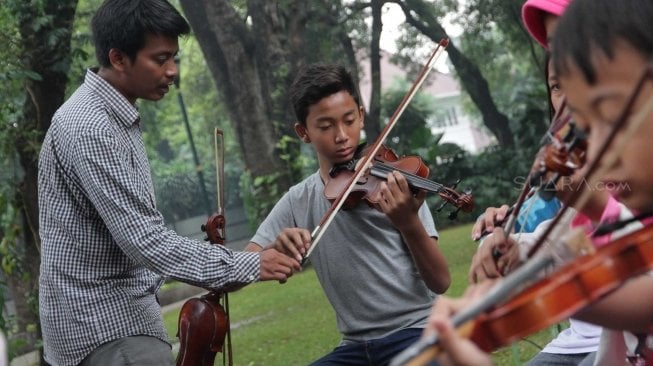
[(399, 202), (487, 221), (456, 350), (294, 242), (489, 261), (277, 266)]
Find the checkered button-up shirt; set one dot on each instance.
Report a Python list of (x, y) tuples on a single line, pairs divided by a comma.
[(105, 248)]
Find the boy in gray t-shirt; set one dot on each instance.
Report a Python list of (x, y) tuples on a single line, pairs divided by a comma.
[(380, 269)]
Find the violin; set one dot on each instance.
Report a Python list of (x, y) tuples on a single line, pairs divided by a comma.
[(203, 322), (368, 187), (550, 300), (562, 156)]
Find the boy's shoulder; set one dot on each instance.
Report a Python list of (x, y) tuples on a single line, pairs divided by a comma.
[(310, 184)]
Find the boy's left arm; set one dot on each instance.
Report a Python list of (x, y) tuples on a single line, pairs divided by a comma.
[(402, 207)]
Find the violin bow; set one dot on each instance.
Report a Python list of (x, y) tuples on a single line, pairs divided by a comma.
[(364, 164), (219, 171), (596, 167)]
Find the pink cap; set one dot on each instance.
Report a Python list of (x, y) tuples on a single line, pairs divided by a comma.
[(533, 12)]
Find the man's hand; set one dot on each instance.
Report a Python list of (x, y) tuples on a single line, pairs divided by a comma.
[(277, 266)]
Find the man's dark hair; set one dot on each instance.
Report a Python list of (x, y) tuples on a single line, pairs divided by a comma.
[(316, 81), (124, 24), (588, 26)]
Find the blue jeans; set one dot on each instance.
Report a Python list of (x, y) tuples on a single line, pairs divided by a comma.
[(375, 352), (560, 359)]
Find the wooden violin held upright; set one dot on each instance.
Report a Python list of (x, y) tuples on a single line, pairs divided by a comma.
[(203, 323)]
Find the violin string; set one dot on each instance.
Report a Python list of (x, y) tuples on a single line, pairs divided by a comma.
[(427, 183)]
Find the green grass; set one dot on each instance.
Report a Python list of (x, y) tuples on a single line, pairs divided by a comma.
[(293, 323)]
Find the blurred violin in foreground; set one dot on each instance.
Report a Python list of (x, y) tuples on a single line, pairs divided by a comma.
[(385, 161)]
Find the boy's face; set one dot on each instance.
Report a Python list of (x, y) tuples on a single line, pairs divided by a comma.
[(150, 75), (333, 126), (596, 108)]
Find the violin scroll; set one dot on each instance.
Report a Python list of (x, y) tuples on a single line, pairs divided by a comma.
[(215, 229), (562, 157), (464, 201)]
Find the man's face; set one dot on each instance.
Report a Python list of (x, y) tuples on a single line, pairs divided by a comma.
[(625, 172), (150, 75)]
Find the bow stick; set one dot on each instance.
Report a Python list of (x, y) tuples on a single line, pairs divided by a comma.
[(219, 171), (319, 230)]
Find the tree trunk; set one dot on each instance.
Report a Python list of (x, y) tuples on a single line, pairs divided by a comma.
[(373, 123), (469, 74), (46, 52), (245, 65)]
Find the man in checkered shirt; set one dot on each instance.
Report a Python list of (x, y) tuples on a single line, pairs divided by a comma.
[(105, 248)]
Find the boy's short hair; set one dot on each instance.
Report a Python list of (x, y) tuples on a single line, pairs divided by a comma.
[(124, 24), (588, 26), (317, 81)]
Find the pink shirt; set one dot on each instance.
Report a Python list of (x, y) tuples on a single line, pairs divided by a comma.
[(611, 212)]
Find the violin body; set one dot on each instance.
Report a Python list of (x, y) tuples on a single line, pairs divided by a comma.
[(368, 187), (204, 322), (203, 325), (574, 286)]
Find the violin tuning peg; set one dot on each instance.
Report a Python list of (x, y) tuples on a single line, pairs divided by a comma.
[(203, 227)]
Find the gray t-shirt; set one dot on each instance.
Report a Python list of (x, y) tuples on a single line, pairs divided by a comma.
[(362, 263)]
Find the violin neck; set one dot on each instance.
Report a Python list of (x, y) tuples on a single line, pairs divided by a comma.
[(381, 171)]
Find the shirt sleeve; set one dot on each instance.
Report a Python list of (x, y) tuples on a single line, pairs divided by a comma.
[(113, 177)]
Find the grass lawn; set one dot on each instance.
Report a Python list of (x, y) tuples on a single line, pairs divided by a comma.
[(293, 323)]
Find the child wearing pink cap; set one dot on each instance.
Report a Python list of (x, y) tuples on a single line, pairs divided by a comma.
[(576, 345), (538, 16)]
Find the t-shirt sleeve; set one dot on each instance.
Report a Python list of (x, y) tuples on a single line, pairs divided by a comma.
[(279, 218)]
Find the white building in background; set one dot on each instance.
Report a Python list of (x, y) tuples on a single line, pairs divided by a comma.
[(450, 120)]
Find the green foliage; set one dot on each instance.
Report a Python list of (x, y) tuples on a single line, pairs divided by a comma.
[(411, 135), (259, 194)]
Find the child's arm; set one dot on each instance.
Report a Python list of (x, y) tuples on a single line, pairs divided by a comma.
[(402, 207), (628, 308)]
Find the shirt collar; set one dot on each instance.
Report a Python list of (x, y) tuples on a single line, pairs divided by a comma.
[(126, 112)]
